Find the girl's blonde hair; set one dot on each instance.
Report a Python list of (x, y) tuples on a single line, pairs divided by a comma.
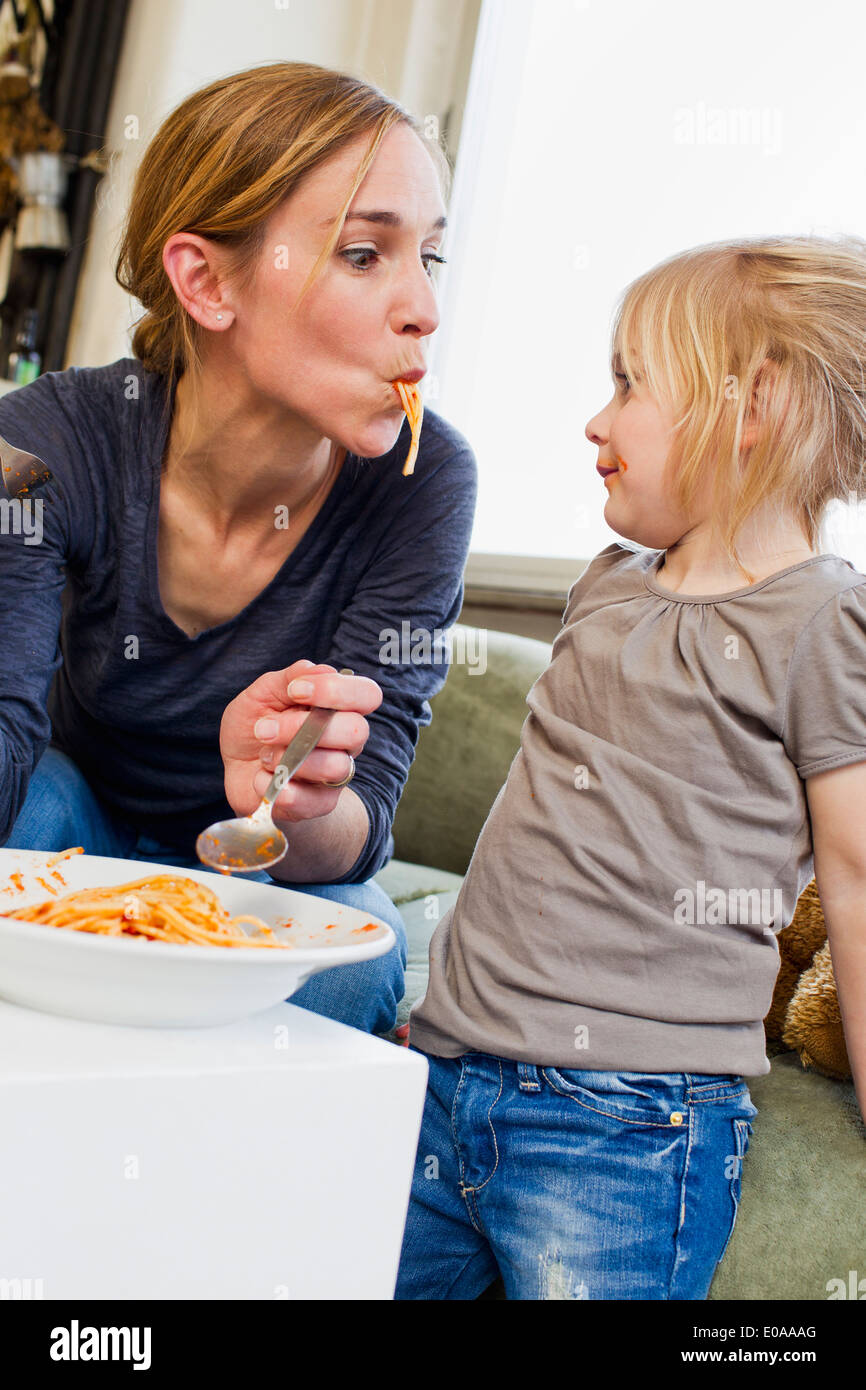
[(700, 329), (220, 164)]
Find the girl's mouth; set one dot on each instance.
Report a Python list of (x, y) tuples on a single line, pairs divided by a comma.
[(607, 469)]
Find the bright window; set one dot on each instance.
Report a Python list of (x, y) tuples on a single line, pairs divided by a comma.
[(598, 140)]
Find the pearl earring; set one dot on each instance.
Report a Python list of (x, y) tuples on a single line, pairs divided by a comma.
[(219, 316)]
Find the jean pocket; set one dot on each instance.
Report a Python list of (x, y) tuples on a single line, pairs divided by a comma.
[(652, 1098), (742, 1133)]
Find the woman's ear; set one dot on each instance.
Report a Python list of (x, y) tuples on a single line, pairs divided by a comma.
[(765, 380), (192, 264)]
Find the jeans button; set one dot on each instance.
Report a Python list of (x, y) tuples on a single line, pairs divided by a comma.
[(677, 1117)]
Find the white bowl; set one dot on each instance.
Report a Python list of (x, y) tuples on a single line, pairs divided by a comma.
[(153, 984)]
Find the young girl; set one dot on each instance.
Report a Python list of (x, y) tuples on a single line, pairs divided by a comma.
[(597, 993)]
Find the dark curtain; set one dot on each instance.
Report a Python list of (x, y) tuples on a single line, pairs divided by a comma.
[(84, 43)]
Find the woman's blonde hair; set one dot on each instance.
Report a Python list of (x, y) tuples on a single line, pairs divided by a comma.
[(220, 164), (700, 329)]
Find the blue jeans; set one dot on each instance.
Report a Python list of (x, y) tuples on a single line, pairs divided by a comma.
[(61, 810), (572, 1184)]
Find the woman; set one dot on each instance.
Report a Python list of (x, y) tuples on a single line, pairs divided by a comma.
[(228, 513)]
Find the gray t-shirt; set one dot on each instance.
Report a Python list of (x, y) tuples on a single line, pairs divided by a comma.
[(620, 908)]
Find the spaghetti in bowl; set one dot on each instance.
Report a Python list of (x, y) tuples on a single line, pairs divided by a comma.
[(142, 981)]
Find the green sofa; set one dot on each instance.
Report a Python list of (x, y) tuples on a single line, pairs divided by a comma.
[(802, 1217)]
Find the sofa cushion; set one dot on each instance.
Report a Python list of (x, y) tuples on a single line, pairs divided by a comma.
[(463, 756), (802, 1218), (405, 882), (423, 896), (421, 918)]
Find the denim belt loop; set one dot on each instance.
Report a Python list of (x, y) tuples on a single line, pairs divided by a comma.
[(528, 1076)]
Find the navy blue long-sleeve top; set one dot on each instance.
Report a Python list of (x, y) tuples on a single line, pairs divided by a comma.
[(91, 662)]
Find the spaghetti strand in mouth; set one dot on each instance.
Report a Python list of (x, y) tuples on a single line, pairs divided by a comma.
[(413, 405)]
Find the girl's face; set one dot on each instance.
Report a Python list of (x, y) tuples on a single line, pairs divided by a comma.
[(633, 434), (368, 318)]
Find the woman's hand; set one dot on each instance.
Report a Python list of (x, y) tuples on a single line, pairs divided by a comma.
[(259, 724)]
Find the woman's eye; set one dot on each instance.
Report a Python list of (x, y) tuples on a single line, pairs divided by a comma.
[(620, 377), (363, 258), (364, 252)]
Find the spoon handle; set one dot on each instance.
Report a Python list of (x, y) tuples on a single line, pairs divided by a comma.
[(300, 748)]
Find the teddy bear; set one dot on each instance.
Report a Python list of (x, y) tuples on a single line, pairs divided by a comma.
[(805, 1014)]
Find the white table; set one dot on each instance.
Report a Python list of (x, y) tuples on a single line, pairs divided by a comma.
[(266, 1159)]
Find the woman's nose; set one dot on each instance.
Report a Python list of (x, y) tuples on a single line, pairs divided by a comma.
[(416, 309)]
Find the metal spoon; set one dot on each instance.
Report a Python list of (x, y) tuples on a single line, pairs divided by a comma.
[(246, 844), (20, 472)]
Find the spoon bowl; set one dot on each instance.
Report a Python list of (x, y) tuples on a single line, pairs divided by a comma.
[(242, 845), (246, 844)]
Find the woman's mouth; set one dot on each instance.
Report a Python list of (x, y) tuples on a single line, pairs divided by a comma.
[(605, 472)]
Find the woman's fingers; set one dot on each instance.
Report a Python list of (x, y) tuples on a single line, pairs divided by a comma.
[(334, 691), (307, 685), (265, 714), (344, 730), (299, 800), (319, 766), (268, 691)]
